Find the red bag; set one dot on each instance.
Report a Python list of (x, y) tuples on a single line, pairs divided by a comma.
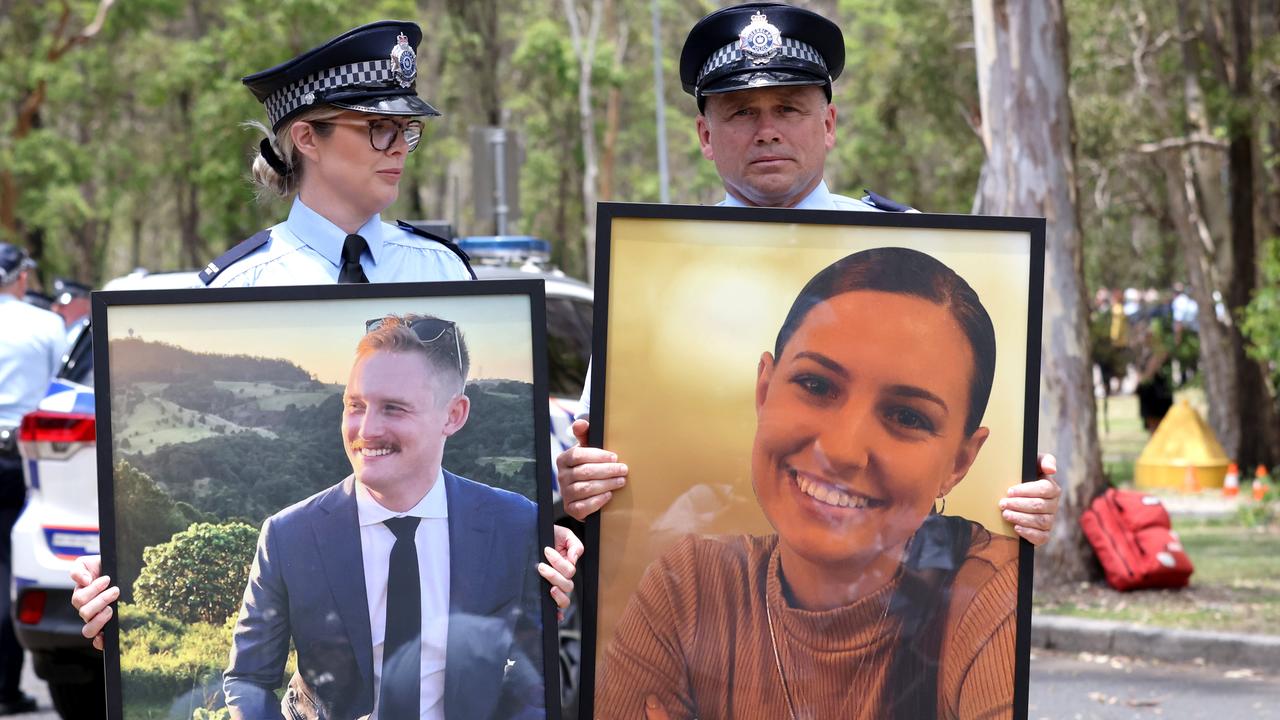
[(1131, 534)]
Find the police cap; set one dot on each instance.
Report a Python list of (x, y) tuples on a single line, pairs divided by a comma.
[(66, 290), (759, 45), (13, 260), (370, 69)]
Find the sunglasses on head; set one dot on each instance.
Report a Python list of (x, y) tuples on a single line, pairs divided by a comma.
[(428, 330)]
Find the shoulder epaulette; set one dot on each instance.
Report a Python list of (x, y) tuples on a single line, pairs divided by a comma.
[(881, 202), (228, 258), (453, 247)]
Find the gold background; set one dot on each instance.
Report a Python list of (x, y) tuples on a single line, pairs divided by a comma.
[(692, 305)]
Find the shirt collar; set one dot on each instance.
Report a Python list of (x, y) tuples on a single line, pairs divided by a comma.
[(320, 234), (433, 505), (817, 199)]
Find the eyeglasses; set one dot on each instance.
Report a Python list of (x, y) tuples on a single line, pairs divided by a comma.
[(382, 131), (428, 331)]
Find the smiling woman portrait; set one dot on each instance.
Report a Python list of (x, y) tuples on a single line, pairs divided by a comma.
[(865, 602)]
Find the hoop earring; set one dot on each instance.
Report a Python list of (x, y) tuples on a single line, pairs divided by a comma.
[(944, 506)]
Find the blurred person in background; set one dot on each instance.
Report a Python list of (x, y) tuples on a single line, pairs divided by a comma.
[(32, 341), (71, 303)]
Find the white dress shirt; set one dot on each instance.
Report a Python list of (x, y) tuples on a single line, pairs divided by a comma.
[(432, 540)]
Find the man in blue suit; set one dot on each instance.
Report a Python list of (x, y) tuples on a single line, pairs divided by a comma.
[(408, 591)]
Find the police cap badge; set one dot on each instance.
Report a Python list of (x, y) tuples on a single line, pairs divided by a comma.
[(404, 61)]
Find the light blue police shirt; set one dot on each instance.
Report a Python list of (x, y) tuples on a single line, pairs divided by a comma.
[(821, 198), (32, 342), (306, 249)]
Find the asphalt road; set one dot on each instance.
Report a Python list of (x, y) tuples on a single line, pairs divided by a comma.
[(36, 688), (1076, 687), (1091, 687)]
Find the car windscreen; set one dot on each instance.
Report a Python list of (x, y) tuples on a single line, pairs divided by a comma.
[(568, 345), (78, 367)]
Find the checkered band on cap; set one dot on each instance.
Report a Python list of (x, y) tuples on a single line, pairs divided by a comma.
[(732, 53), (363, 74)]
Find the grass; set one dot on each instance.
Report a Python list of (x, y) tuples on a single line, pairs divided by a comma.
[(505, 465), (1236, 584), (297, 398), (247, 389), (154, 423), (1235, 587)]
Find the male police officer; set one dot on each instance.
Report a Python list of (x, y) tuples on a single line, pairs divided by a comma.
[(31, 346), (761, 74)]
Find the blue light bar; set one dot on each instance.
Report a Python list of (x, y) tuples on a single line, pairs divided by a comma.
[(506, 247)]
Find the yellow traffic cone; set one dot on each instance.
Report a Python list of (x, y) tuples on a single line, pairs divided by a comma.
[(1259, 482), (1231, 483)]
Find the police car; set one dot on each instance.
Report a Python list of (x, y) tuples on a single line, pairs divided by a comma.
[(57, 443), (568, 319), (60, 522)]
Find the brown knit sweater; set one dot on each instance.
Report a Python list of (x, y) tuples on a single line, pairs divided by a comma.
[(696, 636)]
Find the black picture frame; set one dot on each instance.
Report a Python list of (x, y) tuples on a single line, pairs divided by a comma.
[(713, 230), (329, 311)]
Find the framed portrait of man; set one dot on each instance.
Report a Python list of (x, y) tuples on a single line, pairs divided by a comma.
[(326, 501), (819, 412)]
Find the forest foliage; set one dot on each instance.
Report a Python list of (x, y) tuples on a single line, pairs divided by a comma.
[(137, 153)]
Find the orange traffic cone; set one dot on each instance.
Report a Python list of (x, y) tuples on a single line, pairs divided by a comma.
[(1259, 482), (1190, 484), (1231, 483)]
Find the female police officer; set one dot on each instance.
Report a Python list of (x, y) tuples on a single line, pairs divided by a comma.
[(344, 116)]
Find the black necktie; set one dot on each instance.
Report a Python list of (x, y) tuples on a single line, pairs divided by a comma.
[(402, 644), (351, 271)]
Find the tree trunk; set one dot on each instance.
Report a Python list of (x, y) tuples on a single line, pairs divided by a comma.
[(477, 21), (1189, 175), (187, 193), (1269, 27), (1028, 134), (1259, 432), (584, 47), (1216, 365), (613, 105)]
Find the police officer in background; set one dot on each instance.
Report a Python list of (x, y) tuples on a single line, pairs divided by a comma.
[(71, 303), (70, 300), (761, 74), (32, 341)]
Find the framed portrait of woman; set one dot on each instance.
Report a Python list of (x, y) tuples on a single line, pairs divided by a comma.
[(819, 412), (326, 501)]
